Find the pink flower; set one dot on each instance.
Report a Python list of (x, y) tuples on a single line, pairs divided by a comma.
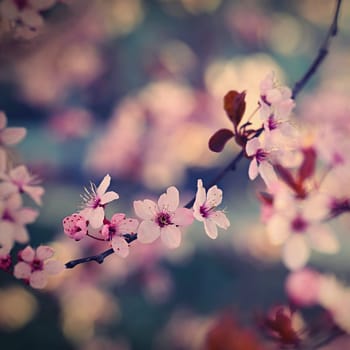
[(5, 262), (114, 231), (13, 218), (19, 180), (95, 202), (162, 219), (35, 267), (204, 209), (75, 226)]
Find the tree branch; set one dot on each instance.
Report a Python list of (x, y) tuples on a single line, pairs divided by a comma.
[(322, 53)]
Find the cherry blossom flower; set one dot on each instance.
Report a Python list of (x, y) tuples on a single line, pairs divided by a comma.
[(35, 266), (75, 226), (95, 202), (13, 218), (19, 180), (5, 262), (204, 209), (113, 231), (162, 219)]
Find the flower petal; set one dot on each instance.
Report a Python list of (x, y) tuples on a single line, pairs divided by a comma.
[(148, 231), (96, 217), (145, 209), (296, 252), (38, 279), (220, 219), (171, 236), (214, 197), (120, 246), (253, 169), (183, 217), (35, 192), (210, 228), (117, 218), (44, 252), (252, 146), (128, 225), (22, 270), (102, 188), (200, 195), (323, 240), (12, 136), (169, 200), (27, 254), (109, 197)]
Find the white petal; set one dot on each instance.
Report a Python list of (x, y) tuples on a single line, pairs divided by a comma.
[(22, 270), (253, 169), (268, 174), (8, 10), (323, 239), (214, 197), (120, 246), (26, 215), (96, 217), (278, 229), (35, 192), (296, 252), (109, 197), (128, 225), (148, 231), (220, 219), (252, 146), (20, 234), (169, 200), (210, 228), (38, 279), (44, 252), (200, 196), (102, 188), (183, 217), (117, 218), (145, 209), (31, 18), (171, 236)]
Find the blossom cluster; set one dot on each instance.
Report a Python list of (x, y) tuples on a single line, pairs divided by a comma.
[(16, 181), (164, 218)]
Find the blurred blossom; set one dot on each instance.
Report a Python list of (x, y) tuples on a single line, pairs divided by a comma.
[(17, 307), (150, 138), (71, 123), (100, 343), (193, 7)]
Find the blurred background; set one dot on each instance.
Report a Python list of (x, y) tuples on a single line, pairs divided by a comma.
[(134, 88)]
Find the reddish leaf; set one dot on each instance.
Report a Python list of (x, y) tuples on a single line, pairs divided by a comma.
[(234, 105), (218, 140), (307, 168)]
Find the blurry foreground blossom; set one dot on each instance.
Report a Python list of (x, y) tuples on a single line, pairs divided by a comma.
[(204, 209), (35, 266), (162, 219)]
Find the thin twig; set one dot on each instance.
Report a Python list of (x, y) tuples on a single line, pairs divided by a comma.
[(322, 53)]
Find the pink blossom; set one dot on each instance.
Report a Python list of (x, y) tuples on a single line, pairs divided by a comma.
[(5, 262), (75, 226), (19, 180), (35, 266), (115, 229), (204, 209), (13, 218), (162, 219), (95, 202)]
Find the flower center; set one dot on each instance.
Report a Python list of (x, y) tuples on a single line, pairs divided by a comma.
[(299, 224), (272, 123), (21, 4), (163, 219), (204, 211), (7, 216), (261, 155), (37, 265)]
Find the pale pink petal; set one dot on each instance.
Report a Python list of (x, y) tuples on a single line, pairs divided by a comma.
[(44, 252), (109, 197), (20, 174), (120, 246), (31, 18), (86, 213), (253, 169), (41, 4), (148, 232), (96, 217), (268, 174), (296, 252), (169, 200), (27, 254), (20, 234), (128, 225), (12, 136), (102, 188), (278, 229), (117, 218), (3, 160), (316, 207), (183, 217), (35, 192), (145, 209), (3, 118), (105, 231), (171, 236), (38, 279), (252, 146), (26, 215), (6, 242), (220, 219), (7, 188), (197, 214), (200, 195), (22, 270), (214, 197), (8, 10), (14, 201), (53, 267), (210, 228), (7, 230), (323, 240)]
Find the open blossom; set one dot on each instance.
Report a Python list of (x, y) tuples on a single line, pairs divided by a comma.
[(13, 218), (20, 180), (162, 219), (75, 226), (35, 266), (95, 202), (115, 229), (204, 209)]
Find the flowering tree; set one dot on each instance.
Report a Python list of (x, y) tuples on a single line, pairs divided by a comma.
[(303, 167)]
